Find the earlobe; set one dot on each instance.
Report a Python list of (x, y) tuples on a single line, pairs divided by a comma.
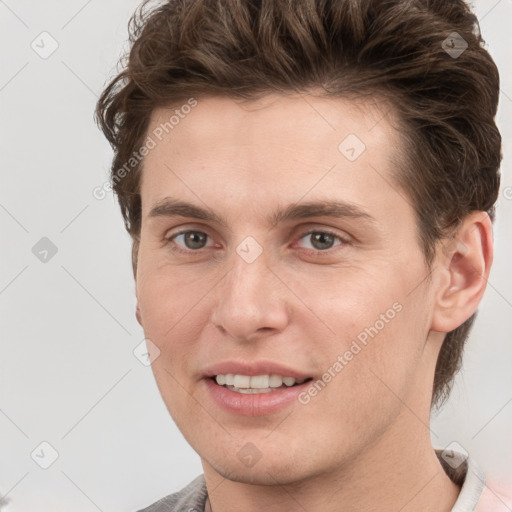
[(465, 265)]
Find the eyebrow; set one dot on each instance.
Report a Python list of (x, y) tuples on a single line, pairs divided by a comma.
[(170, 207)]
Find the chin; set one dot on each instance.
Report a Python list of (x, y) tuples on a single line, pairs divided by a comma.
[(279, 466), (262, 473)]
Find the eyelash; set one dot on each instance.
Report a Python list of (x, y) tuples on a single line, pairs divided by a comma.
[(170, 239)]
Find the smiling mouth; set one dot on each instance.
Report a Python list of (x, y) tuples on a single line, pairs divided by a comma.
[(246, 384)]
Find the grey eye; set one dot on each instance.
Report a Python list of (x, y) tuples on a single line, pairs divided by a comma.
[(322, 240), (193, 239)]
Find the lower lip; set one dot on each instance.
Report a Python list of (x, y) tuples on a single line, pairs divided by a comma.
[(256, 404)]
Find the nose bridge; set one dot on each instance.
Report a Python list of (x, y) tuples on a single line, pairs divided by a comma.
[(248, 279), (249, 297), (249, 264)]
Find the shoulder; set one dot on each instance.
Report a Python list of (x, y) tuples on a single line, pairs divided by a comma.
[(191, 498)]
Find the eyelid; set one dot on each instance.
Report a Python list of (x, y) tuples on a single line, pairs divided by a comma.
[(343, 235), (185, 229)]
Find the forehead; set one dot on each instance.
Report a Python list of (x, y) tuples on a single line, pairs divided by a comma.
[(273, 119), (275, 149)]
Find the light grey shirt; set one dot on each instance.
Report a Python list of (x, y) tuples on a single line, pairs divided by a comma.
[(464, 471)]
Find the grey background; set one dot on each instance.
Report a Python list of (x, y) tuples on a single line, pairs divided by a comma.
[(68, 373)]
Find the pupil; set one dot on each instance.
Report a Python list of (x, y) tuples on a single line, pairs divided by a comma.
[(321, 237), (192, 237)]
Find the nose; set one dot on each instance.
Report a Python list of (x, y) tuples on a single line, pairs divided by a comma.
[(251, 301)]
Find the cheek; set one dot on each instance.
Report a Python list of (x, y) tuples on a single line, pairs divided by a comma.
[(170, 297), (353, 302), (377, 328), (173, 317), (364, 372)]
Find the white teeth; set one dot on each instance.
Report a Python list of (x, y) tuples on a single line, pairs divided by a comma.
[(289, 381), (259, 382), (275, 381), (242, 381)]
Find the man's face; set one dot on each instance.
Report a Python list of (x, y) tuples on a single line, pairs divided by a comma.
[(347, 305)]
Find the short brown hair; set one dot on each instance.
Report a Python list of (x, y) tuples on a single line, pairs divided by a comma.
[(399, 49)]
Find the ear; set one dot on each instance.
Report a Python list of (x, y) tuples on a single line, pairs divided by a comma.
[(137, 314), (135, 254), (464, 265)]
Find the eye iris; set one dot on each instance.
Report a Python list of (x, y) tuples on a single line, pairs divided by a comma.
[(191, 239), (320, 237)]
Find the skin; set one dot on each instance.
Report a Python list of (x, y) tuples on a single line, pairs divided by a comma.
[(364, 439)]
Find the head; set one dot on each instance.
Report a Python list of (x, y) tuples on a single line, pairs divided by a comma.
[(247, 108)]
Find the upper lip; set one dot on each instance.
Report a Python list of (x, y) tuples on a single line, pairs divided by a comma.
[(253, 368)]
